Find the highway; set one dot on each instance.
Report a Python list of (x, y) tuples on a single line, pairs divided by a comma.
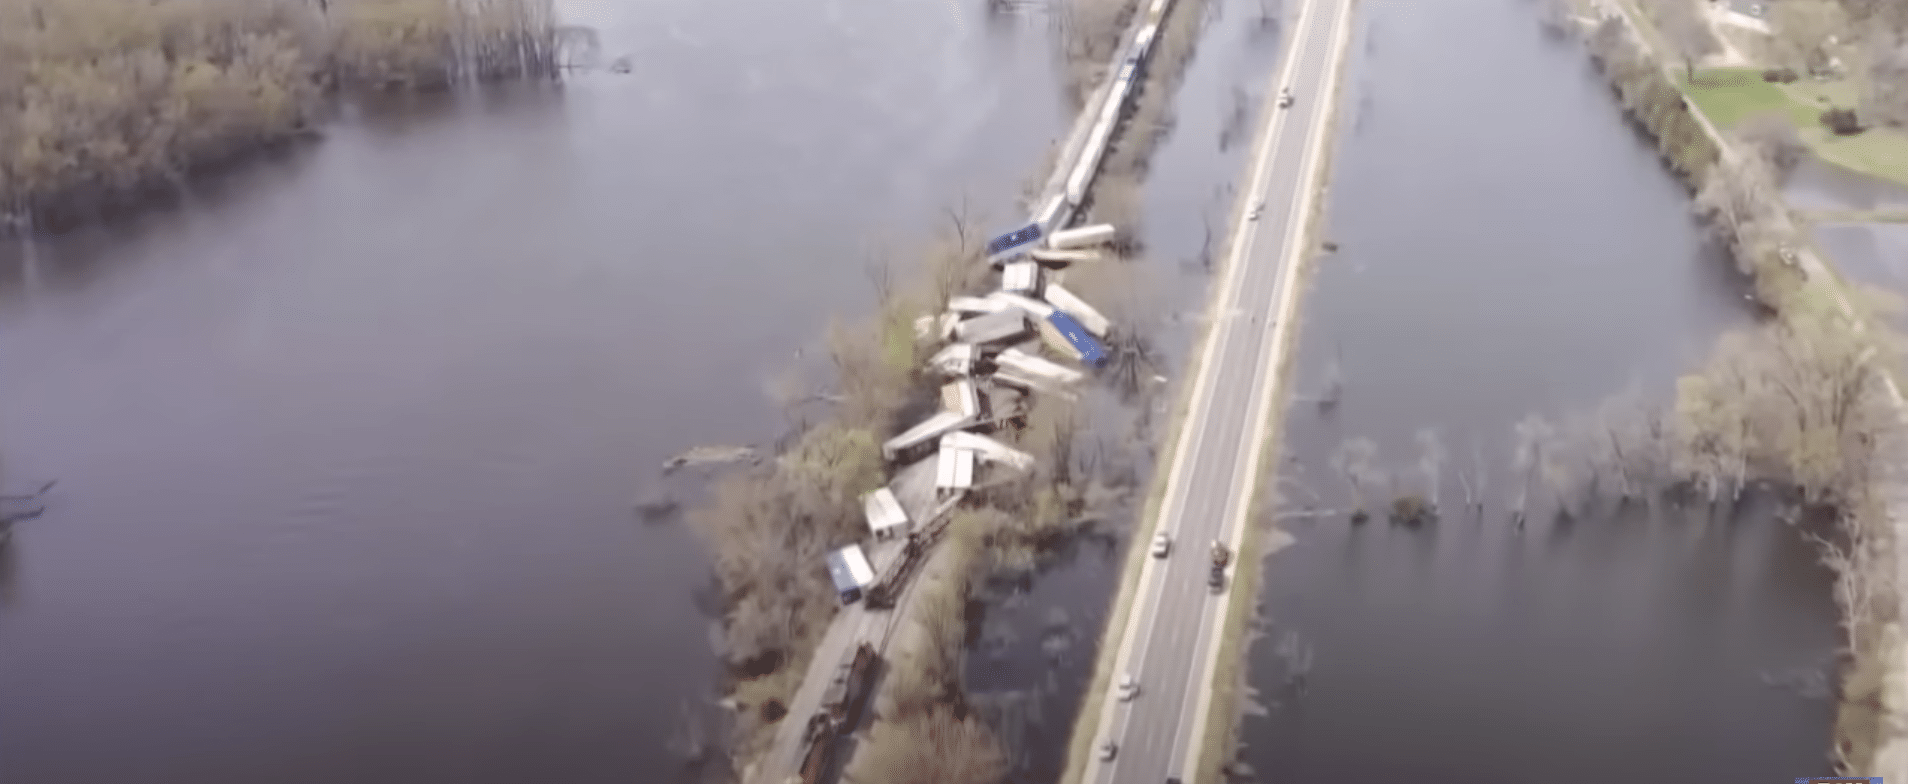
[(1173, 643)]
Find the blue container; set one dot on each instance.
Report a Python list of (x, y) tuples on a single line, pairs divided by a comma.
[(1024, 235), (1091, 352)]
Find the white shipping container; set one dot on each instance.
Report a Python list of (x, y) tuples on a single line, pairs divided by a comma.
[(1065, 256), (1031, 306), (1053, 216), (1020, 277), (955, 471), (1078, 309), (858, 566), (1083, 237)]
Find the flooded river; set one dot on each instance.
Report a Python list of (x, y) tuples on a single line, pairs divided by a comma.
[(1509, 246), (1517, 250), (346, 445)]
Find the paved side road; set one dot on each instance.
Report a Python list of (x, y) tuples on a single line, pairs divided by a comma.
[(1172, 647)]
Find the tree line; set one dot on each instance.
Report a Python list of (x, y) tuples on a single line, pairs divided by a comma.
[(103, 98)]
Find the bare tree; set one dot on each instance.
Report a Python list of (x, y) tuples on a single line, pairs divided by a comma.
[(1472, 485), (1431, 456), (961, 221), (1884, 57), (1773, 137), (881, 275), (1353, 461), (1688, 33), (1806, 32), (1332, 387), (1795, 400), (1532, 437), (1740, 201), (935, 747), (1637, 440)]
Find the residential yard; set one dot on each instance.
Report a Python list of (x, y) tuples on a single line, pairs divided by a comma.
[(1730, 95)]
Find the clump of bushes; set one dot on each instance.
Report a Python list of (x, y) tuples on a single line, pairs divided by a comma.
[(1412, 511), (1653, 101), (771, 527), (924, 730), (1842, 121), (1779, 75)]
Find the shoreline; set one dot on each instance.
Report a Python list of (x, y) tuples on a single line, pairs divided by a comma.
[(1872, 716), (88, 153)]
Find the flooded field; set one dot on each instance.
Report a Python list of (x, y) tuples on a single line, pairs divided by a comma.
[(1537, 262)]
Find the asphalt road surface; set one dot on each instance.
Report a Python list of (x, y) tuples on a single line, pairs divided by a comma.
[(1171, 647)]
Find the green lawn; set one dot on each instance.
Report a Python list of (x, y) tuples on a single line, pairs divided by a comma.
[(1730, 95)]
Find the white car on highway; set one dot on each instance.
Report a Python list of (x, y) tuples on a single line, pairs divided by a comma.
[(1162, 544), (1107, 750), (1129, 687)]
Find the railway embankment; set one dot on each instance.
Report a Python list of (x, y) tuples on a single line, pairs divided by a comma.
[(949, 451)]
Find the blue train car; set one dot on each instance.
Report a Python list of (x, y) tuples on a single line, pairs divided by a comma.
[(1005, 247), (1092, 354)]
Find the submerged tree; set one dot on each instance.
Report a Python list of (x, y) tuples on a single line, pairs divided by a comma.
[(1682, 24), (1532, 435), (1353, 460)]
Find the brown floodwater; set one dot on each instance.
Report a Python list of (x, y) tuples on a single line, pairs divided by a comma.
[(347, 442)]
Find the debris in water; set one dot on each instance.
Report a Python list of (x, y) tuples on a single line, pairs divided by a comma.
[(1809, 683), (655, 505), (712, 455)]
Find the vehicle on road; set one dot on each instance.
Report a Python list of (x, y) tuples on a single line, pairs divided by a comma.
[(1162, 544), (1129, 687), (1107, 750), (1217, 580), (1220, 555), (1285, 97)]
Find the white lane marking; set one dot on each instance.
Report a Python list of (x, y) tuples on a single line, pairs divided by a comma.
[(1339, 29), (1113, 721), (1117, 722)]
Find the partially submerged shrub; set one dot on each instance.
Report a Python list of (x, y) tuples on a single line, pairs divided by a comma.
[(1412, 510), (1842, 122)]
